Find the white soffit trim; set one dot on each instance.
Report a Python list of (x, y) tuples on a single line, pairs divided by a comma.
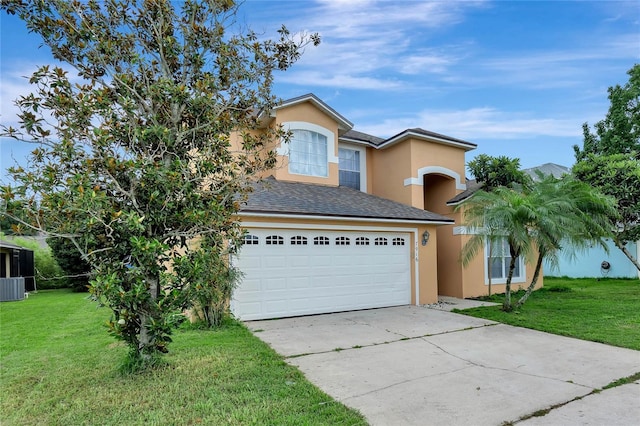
[(460, 230), (435, 170), (340, 218)]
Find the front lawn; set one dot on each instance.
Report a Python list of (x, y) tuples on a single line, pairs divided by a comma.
[(59, 366), (606, 311)]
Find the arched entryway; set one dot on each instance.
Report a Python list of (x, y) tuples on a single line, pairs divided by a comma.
[(438, 189)]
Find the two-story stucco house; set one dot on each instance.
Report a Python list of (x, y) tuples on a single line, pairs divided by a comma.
[(348, 221)]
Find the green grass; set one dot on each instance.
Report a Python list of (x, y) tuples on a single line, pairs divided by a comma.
[(605, 311), (60, 367)]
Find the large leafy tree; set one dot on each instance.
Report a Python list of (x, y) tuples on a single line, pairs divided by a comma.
[(619, 131), (617, 175), (610, 158), (494, 172), (546, 217), (134, 157)]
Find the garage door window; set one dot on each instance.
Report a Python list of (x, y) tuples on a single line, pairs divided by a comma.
[(398, 241), (251, 240), (342, 241), (321, 241), (298, 241), (381, 241), (362, 241), (274, 240)]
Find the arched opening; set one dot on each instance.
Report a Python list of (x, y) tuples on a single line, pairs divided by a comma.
[(438, 189)]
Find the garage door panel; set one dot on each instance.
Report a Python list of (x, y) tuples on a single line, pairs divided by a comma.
[(275, 284), (292, 279), (299, 261)]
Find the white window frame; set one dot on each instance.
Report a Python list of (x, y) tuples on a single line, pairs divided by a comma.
[(516, 279), (283, 149), (363, 163)]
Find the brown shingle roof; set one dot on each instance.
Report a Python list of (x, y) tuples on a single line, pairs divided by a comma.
[(472, 187), (280, 198), (355, 136)]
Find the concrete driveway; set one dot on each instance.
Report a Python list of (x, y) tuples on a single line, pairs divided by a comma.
[(413, 365)]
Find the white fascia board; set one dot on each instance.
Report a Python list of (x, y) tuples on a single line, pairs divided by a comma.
[(457, 203), (405, 135), (342, 218), (355, 141)]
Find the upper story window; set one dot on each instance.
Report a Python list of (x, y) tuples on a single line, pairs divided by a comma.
[(349, 166), (308, 153)]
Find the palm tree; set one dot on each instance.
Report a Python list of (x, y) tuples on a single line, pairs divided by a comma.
[(570, 215), (492, 216), (546, 216)]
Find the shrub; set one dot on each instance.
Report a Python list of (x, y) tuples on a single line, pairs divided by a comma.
[(48, 272), (71, 262)]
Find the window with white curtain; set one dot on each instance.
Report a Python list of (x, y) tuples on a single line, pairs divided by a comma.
[(308, 153), (498, 260)]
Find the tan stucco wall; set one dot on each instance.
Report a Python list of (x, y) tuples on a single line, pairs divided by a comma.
[(425, 153), (370, 167), (427, 255), (389, 168), (393, 165)]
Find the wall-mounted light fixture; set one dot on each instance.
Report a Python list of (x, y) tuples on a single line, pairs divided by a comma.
[(425, 238)]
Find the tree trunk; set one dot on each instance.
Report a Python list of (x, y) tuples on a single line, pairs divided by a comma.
[(627, 253), (506, 306), (490, 265), (146, 341), (534, 280)]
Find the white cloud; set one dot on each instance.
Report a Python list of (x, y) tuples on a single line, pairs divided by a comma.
[(14, 83), (344, 81), (365, 41), (478, 123)]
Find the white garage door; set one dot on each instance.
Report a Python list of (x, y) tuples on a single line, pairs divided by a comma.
[(294, 272)]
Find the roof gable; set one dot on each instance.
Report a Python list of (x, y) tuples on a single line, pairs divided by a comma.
[(343, 123), (418, 133)]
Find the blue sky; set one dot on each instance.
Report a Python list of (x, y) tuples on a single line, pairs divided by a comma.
[(518, 78)]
